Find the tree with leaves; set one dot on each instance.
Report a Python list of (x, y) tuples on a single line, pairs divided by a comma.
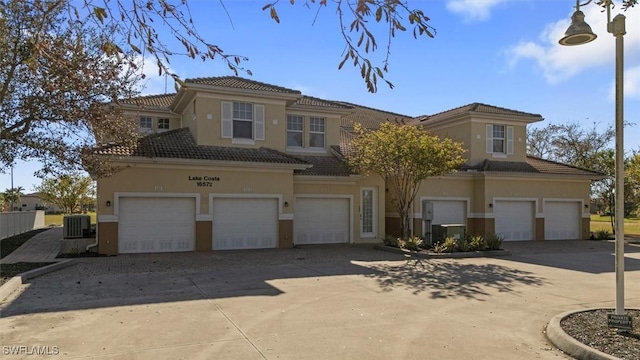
[(404, 156), (55, 80), (13, 196), (70, 192), (63, 60)]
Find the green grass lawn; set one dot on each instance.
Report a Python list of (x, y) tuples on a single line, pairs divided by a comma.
[(57, 219), (631, 225)]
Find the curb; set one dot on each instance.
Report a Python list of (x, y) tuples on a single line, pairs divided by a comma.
[(15, 282), (455, 255), (571, 346)]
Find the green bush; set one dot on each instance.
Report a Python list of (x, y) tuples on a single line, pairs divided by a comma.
[(413, 243), (477, 243), (602, 235), (464, 245), (448, 245), (493, 241), (390, 240)]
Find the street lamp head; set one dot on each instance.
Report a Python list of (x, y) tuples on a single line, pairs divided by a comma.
[(579, 32)]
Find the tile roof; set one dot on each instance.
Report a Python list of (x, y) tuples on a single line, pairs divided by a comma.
[(313, 101), (180, 144), (241, 83), (324, 166), (475, 107), (370, 118), (162, 100), (532, 165)]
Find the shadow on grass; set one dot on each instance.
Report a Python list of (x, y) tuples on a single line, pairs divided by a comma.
[(443, 279)]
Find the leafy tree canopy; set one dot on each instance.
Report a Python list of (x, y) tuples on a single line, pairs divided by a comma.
[(70, 192), (404, 155)]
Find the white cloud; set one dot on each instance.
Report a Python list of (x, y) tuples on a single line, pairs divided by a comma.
[(631, 84), (473, 10), (153, 83), (559, 63)]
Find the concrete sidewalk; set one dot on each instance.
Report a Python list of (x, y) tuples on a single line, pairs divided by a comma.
[(43, 247)]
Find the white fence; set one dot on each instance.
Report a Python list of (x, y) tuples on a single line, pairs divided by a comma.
[(18, 222)]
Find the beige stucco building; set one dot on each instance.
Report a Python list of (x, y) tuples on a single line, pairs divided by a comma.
[(231, 163)]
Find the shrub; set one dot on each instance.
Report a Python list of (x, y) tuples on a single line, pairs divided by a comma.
[(493, 241), (448, 245), (413, 243), (390, 240), (477, 243), (464, 245), (602, 235)]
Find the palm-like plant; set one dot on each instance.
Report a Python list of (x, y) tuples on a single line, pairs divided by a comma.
[(13, 196)]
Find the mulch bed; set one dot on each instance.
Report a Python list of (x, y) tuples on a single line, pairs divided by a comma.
[(590, 328)]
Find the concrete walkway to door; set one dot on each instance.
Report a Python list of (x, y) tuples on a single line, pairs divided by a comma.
[(43, 247)]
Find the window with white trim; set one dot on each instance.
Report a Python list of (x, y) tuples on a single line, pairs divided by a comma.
[(499, 139), (316, 132), (146, 123), (295, 130), (163, 124), (242, 120)]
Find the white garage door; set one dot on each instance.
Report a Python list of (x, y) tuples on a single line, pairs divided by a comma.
[(449, 212), (147, 224), (514, 219), (562, 220), (240, 223), (321, 221)]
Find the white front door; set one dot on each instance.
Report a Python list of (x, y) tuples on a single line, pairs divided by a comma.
[(245, 223), (321, 221), (562, 220), (514, 219), (368, 213), (156, 224)]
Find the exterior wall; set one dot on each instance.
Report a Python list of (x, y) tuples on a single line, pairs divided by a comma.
[(539, 229), (457, 132), (350, 188), (108, 238), (204, 233), (481, 191), (285, 239), (586, 228), (478, 147)]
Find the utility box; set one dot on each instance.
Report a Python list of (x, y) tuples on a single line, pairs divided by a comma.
[(442, 231), (75, 226)]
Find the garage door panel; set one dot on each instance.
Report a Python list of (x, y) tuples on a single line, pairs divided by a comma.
[(562, 220), (245, 223), (514, 220), (321, 221), (156, 224)]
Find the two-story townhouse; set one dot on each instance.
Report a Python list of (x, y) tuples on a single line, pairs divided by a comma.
[(231, 163), (500, 189), (242, 165)]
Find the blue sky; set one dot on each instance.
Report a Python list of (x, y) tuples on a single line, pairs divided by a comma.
[(499, 52)]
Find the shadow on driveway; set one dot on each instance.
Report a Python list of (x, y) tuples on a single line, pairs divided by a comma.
[(594, 257), (95, 283)]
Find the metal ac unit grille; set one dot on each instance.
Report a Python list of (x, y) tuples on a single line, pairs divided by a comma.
[(74, 225)]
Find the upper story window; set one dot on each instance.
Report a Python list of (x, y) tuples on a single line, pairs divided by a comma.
[(242, 121), (164, 124), (146, 123), (499, 139), (316, 132), (295, 130)]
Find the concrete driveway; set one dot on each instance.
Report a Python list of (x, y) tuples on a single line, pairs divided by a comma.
[(332, 302)]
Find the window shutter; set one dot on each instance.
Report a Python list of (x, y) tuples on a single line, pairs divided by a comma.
[(226, 121), (258, 121), (509, 140), (490, 139)]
